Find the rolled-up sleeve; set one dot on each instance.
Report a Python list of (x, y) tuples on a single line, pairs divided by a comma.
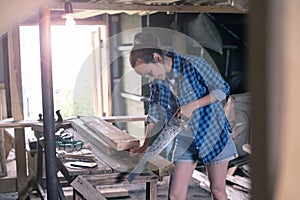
[(213, 80)]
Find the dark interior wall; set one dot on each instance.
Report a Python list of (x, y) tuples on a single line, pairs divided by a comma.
[(232, 28)]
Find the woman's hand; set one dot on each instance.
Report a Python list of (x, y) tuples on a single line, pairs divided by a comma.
[(186, 111), (136, 150)]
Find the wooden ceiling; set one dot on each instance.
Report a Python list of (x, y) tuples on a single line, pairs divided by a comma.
[(84, 9)]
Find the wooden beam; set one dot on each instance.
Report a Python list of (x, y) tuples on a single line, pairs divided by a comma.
[(139, 7), (115, 137), (160, 166), (124, 118), (114, 192), (89, 192), (17, 107), (10, 123), (8, 184)]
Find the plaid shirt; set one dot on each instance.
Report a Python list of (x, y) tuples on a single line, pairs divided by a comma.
[(194, 78)]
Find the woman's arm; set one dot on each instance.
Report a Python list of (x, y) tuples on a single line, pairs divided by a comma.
[(150, 131), (188, 109)]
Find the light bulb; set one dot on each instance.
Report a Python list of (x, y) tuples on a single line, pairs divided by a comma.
[(70, 20)]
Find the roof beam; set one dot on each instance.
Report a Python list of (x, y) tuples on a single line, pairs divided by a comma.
[(139, 7)]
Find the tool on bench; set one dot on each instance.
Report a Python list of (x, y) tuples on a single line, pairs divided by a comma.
[(168, 133), (59, 117), (66, 141)]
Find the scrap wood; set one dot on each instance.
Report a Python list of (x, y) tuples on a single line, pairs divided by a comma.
[(239, 180), (240, 188), (86, 189), (232, 193), (111, 134), (232, 170), (114, 192), (247, 148), (246, 169)]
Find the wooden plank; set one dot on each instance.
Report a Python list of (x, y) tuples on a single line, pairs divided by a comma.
[(35, 124), (101, 168), (151, 190), (124, 118), (39, 127), (115, 192), (88, 135), (89, 192), (102, 150), (101, 85), (10, 123), (232, 170), (140, 7), (8, 184), (117, 178), (3, 114), (242, 181), (121, 162), (9, 142), (113, 158), (15, 78), (111, 134), (3, 169), (107, 70), (247, 148), (160, 166), (3, 109)]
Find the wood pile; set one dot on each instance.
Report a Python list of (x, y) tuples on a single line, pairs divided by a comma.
[(112, 145)]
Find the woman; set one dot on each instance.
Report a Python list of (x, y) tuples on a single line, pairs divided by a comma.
[(198, 90)]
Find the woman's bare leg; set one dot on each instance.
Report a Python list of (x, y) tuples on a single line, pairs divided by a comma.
[(179, 181), (217, 178)]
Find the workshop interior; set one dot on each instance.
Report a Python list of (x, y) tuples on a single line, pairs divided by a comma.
[(71, 106)]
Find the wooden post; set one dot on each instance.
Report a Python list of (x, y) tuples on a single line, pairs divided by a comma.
[(17, 107), (48, 107)]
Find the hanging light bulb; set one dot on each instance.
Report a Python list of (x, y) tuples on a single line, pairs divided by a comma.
[(69, 14)]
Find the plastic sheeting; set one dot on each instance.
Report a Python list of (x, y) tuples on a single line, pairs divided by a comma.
[(237, 110)]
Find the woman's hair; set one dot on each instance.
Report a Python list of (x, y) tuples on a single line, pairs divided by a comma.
[(144, 45)]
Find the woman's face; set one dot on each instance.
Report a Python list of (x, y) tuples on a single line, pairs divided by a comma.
[(150, 70)]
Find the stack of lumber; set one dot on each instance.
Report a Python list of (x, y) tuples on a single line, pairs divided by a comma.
[(112, 145)]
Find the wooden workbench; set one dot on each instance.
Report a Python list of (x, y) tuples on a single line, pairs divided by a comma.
[(113, 167)]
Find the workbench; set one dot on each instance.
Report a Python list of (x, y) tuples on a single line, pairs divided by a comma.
[(112, 168)]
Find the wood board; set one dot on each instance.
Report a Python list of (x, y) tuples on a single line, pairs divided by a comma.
[(115, 137), (3, 114)]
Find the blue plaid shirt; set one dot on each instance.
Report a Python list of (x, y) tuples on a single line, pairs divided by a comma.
[(194, 79)]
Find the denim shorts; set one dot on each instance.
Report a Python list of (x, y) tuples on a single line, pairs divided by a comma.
[(185, 150)]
